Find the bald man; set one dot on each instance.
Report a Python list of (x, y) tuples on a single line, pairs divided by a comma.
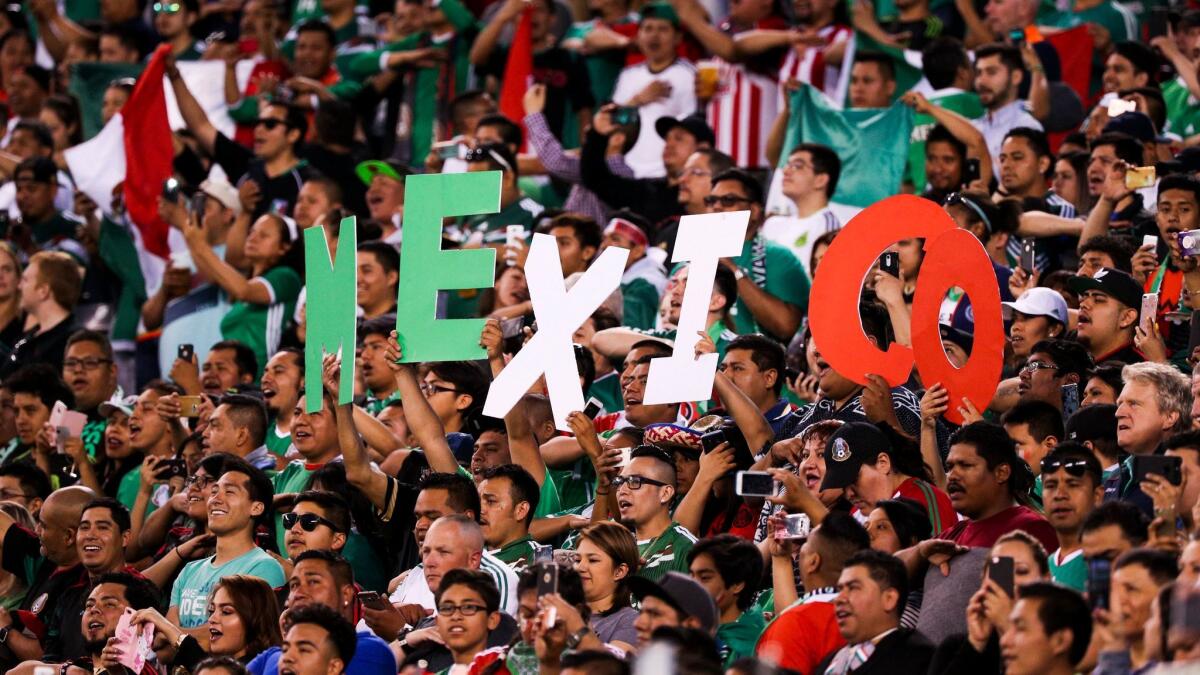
[(48, 563)]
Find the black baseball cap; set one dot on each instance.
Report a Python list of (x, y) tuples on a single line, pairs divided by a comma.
[(957, 336), (850, 447), (693, 124), (1136, 124), (1115, 283), (682, 592), (1093, 423)]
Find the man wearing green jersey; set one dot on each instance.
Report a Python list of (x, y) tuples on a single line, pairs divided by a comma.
[(645, 490), (508, 497)]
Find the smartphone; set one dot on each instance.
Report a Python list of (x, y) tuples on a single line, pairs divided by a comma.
[(135, 641), (547, 580), (61, 434), (624, 116), (446, 149), (56, 413), (1070, 399), (170, 190), (372, 599), (712, 439), (1189, 242), (1159, 22), (1099, 581), (796, 526), (186, 351), (171, 468), (189, 406), (972, 172), (1138, 177), (1027, 256), (593, 408), (1149, 312), (755, 484), (1168, 467), (1001, 572), (199, 200), (514, 239), (889, 262), (1150, 241)]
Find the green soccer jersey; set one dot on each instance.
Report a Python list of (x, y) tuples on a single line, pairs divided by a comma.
[(190, 592), (519, 554), (604, 67), (640, 303), (961, 102), (717, 332), (1071, 571), (119, 253), (607, 390), (736, 639), (278, 443), (260, 327), (127, 490), (491, 226), (1183, 110), (775, 269), (368, 569), (374, 405), (548, 499), (665, 553)]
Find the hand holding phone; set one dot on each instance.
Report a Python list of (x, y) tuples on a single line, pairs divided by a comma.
[(754, 484), (1001, 571)]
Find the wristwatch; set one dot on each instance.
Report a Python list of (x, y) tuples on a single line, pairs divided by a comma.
[(738, 273), (4, 634), (575, 638)]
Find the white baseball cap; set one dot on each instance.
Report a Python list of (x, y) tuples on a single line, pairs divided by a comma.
[(1039, 302), (221, 190)]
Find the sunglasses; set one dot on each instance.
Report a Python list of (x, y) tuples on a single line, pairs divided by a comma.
[(726, 200), (1073, 467), (167, 7), (269, 122), (308, 521)]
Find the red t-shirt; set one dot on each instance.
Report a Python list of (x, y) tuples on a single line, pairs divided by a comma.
[(800, 637), (984, 533), (942, 515)]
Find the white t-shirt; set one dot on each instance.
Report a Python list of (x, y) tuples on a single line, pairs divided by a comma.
[(646, 156), (414, 590), (799, 234)]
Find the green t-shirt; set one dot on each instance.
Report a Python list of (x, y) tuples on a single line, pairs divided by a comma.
[(1183, 110), (640, 303), (964, 103), (717, 332), (519, 554), (775, 269), (195, 582), (604, 67), (260, 327), (665, 553), (119, 253), (374, 406), (1072, 572), (607, 390), (737, 639), (548, 499), (492, 226), (127, 490), (295, 477), (368, 569), (277, 443)]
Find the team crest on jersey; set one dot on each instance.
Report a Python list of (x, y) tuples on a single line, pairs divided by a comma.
[(840, 451), (39, 604)]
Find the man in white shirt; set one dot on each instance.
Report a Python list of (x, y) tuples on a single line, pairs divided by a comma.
[(809, 179), (999, 73), (661, 86)]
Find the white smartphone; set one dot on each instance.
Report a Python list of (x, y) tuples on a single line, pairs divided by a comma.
[(754, 484), (1151, 241)]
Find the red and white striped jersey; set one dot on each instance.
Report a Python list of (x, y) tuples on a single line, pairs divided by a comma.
[(808, 65), (747, 102)]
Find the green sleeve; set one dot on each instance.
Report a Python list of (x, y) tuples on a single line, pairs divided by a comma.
[(246, 111), (284, 282), (786, 278), (458, 15), (640, 304), (548, 501), (366, 64), (345, 88)]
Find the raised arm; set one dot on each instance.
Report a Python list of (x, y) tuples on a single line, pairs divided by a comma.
[(1042, 224), (522, 445), (959, 127), (193, 115), (360, 472), (238, 287), (1112, 192), (695, 21), (485, 42), (426, 427)]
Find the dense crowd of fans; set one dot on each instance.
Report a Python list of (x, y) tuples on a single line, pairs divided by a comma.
[(171, 504)]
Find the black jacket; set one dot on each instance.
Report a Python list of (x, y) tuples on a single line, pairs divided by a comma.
[(902, 651), (652, 198)]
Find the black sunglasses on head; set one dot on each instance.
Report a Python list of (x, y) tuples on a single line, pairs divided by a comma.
[(308, 521), (1073, 467)]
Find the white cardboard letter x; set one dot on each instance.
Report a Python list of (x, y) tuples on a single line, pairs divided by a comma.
[(558, 313), (703, 240)]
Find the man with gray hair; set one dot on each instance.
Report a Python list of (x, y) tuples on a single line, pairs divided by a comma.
[(1155, 403)]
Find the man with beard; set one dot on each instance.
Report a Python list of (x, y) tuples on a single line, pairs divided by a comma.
[(508, 498), (281, 389), (102, 610), (1109, 305), (999, 73), (1118, 211)]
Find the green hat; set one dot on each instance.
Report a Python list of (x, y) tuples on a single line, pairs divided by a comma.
[(661, 10), (388, 167)]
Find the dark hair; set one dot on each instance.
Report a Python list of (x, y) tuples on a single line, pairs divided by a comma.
[(214, 464), (333, 191), (885, 570), (1126, 147), (230, 664), (1070, 357), (617, 542), (1044, 420), (257, 606), (1180, 181), (1009, 55), (753, 189), (1129, 518), (510, 133), (41, 132), (335, 506), (718, 162), (458, 103), (942, 59), (31, 479), (1070, 451), (695, 649), (1034, 137), (1156, 106), (570, 586), (1062, 608), (462, 494), (940, 134), (584, 227), (120, 514), (243, 356), (385, 254), (838, 538), (43, 381), (737, 561), (824, 160), (95, 337), (876, 324), (656, 453), (295, 118), (767, 354), (318, 26), (1110, 373), (908, 518), (992, 443), (480, 582), (1118, 249), (139, 593), (66, 107), (123, 34), (260, 488), (1162, 566), (522, 487), (341, 631), (1139, 55), (594, 662), (468, 378), (887, 69), (725, 283), (339, 568), (248, 412), (380, 325)]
